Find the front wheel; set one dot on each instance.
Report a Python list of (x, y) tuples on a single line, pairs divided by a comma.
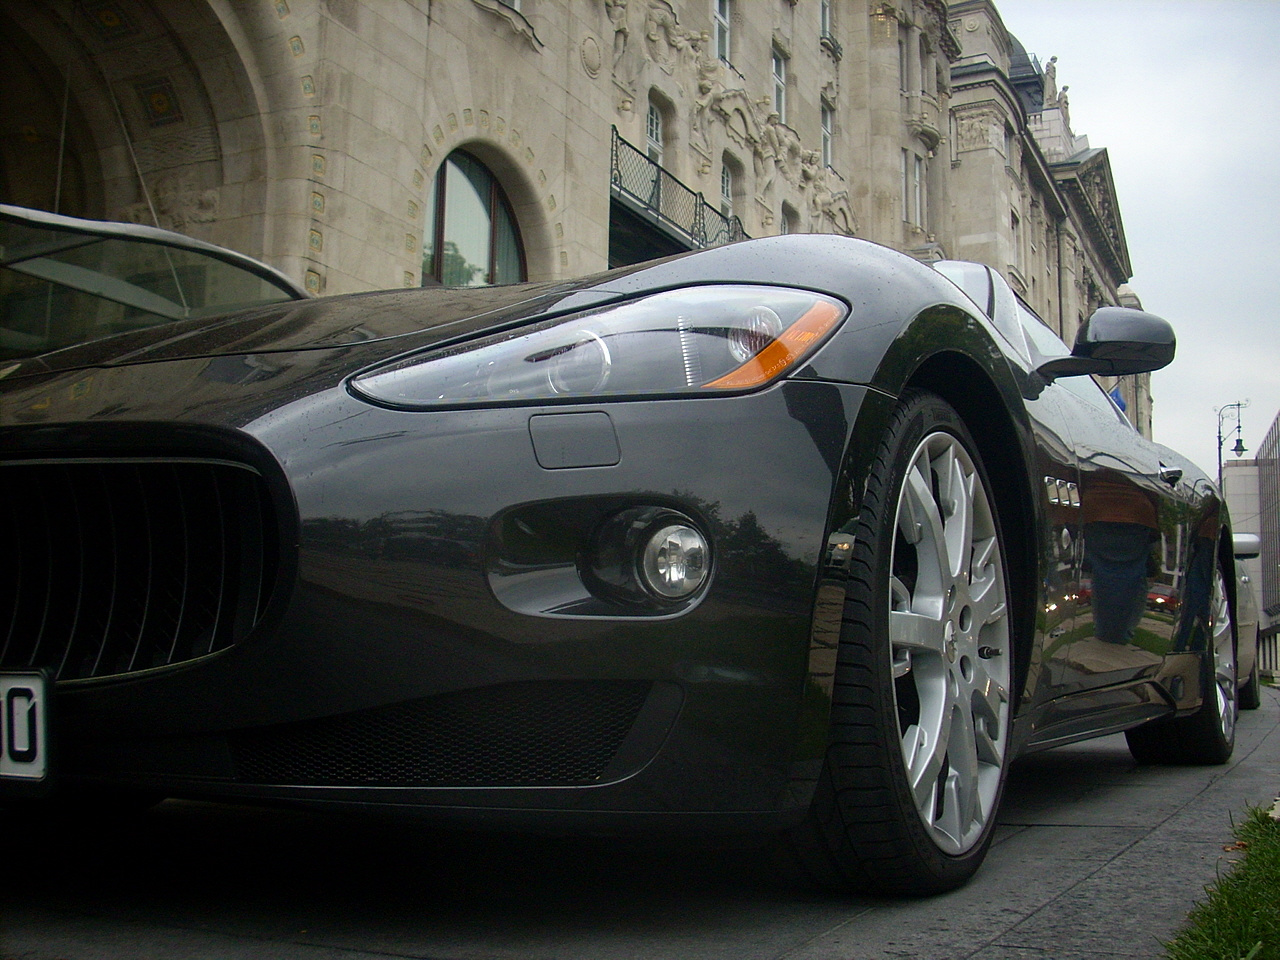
[(921, 706)]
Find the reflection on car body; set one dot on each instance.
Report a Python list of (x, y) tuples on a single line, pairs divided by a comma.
[(65, 281), (728, 541)]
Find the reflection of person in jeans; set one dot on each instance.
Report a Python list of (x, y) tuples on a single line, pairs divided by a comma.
[(1119, 527), (1195, 613)]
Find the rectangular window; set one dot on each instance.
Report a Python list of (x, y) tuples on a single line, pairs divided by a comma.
[(828, 129), (914, 199), (721, 17), (906, 187), (653, 130), (918, 192), (824, 18), (726, 190), (924, 65), (1015, 238), (780, 86)]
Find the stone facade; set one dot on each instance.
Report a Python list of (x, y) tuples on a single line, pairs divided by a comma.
[(309, 133)]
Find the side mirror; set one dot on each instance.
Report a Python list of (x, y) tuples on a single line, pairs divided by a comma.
[(1115, 342), (1246, 545)]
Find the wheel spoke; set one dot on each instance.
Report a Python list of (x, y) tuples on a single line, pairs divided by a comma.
[(956, 490), (962, 804), (915, 631), (930, 762)]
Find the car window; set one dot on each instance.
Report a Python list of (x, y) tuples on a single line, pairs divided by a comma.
[(1090, 391), (65, 281), (1044, 341)]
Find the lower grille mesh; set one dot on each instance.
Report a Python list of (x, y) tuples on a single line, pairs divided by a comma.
[(519, 734), (118, 566)]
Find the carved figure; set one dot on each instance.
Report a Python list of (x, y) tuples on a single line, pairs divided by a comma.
[(710, 92), (766, 156), (617, 10), (660, 33), (1051, 81)]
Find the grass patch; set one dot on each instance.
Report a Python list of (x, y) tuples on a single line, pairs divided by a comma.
[(1240, 919)]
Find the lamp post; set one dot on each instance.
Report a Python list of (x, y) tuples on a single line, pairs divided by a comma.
[(1239, 448)]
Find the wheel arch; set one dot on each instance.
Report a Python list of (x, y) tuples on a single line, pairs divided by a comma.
[(963, 383)]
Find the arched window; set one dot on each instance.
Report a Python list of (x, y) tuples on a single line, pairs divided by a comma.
[(471, 238)]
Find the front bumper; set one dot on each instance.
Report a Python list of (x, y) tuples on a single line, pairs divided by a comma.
[(388, 670)]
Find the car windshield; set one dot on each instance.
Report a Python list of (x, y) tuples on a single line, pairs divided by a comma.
[(66, 281)]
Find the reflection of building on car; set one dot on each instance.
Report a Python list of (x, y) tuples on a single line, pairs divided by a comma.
[(64, 281), (730, 541)]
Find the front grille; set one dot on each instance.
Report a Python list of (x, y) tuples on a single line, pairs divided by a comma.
[(117, 566), (517, 734)]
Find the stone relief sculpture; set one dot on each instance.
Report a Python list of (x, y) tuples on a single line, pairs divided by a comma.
[(718, 108), (662, 34), (617, 10)]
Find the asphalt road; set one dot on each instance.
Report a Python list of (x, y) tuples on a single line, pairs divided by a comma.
[(1095, 858)]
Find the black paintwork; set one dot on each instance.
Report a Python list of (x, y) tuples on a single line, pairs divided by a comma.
[(399, 536)]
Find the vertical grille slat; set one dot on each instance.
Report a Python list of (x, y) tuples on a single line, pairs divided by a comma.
[(80, 570), (184, 585), (128, 565), (219, 517), (148, 580), (113, 556)]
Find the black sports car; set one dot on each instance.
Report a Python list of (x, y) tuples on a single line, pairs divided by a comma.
[(788, 536)]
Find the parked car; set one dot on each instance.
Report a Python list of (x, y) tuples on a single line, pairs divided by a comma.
[(65, 281), (784, 536), (1162, 596)]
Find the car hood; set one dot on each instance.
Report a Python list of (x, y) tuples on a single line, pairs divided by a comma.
[(386, 323)]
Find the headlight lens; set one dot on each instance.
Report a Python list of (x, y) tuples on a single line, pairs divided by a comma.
[(694, 340)]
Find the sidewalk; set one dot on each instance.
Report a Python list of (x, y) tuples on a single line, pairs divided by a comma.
[(1095, 858)]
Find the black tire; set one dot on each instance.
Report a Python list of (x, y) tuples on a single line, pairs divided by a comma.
[(1251, 689), (1207, 736), (922, 685)]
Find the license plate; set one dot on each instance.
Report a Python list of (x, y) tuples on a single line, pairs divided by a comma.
[(24, 731)]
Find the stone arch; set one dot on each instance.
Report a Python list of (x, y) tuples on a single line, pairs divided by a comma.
[(161, 115)]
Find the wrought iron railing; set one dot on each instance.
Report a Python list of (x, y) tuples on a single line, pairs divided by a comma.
[(647, 185)]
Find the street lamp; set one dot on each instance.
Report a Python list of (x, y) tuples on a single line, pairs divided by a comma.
[(1239, 448)]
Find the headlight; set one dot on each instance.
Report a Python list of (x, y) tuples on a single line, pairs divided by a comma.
[(694, 340)]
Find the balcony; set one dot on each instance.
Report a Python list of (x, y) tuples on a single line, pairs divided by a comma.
[(657, 197)]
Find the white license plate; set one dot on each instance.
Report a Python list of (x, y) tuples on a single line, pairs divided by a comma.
[(24, 728)]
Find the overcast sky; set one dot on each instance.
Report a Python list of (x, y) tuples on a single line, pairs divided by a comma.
[(1183, 94)]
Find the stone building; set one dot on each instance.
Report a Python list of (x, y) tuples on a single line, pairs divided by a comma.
[(1252, 491), (364, 144)]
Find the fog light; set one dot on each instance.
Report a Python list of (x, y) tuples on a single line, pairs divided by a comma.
[(674, 563)]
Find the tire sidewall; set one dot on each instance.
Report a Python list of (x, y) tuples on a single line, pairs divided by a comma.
[(865, 645)]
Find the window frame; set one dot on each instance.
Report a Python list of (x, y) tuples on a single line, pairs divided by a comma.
[(497, 200), (654, 132), (779, 72), (722, 28), (827, 121)]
